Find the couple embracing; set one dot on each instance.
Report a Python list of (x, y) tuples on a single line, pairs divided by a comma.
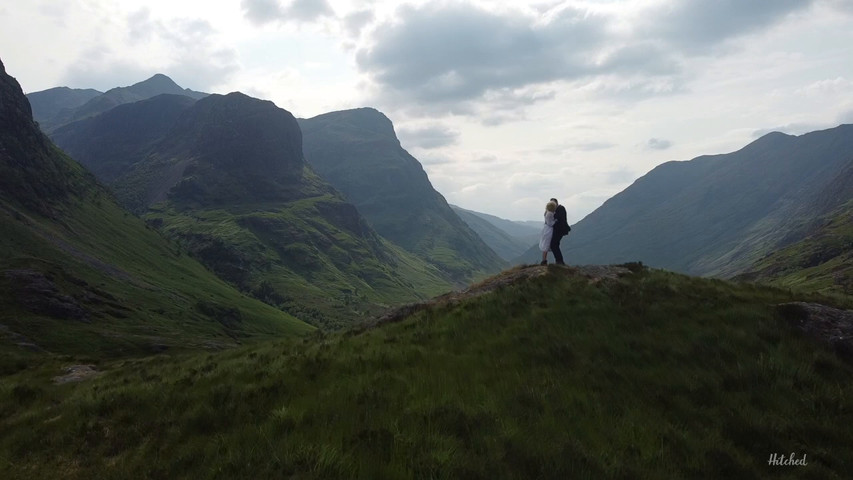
[(556, 227)]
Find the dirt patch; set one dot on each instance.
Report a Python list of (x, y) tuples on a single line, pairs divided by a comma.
[(76, 373)]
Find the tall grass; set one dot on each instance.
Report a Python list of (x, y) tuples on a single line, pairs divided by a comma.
[(653, 376)]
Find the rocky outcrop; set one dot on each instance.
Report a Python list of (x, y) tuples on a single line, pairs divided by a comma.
[(829, 325), (40, 295)]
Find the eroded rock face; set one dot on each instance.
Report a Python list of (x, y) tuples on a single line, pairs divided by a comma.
[(827, 324), (38, 294)]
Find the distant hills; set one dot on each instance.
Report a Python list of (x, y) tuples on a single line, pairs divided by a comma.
[(507, 238), (78, 274), (225, 176), (58, 106), (718, 215), (358, 152)]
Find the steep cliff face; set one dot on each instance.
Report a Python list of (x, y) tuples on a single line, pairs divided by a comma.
[(33, 172), (358, 152), (237, 149)]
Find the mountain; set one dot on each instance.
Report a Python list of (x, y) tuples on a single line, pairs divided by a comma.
[(717, 215), (80, 275), (526, 229), (601, 372), (225, 176), (358, 152), (159, 84), (507, 238), (109, 144), (49, 103), (823, 260)]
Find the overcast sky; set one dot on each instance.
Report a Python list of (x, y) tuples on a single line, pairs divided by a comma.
[(504, 105)]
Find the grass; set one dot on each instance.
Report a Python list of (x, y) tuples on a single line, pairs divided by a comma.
[(139, 291), (655, 375), (822, 262), (312, 257)]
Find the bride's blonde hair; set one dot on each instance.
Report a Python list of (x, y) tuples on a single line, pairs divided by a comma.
[(550, 206)]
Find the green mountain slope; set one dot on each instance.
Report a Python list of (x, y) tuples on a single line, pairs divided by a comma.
[(509, 247), (822, 262), (226, 178), (358, 152), (555, 373), (717, 215), (80, 275)]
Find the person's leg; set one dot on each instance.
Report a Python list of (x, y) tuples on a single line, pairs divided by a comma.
[(544, 258), (555, 247)]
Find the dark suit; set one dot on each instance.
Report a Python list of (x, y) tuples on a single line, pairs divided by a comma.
[(560, 224)]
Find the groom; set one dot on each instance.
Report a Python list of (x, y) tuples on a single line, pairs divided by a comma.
[(561, 229)]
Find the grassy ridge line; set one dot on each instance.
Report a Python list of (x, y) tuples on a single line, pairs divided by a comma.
[(652, 376)]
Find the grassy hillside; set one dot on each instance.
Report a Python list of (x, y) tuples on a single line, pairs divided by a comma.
[(99, 281), (822, 262), (313, 257), (563, 374), (80, 275)]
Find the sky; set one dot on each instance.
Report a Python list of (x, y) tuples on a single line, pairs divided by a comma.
[(506, 104)]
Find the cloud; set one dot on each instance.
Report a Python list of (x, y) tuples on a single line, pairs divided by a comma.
[(187, 49), (444, 56), (620, 176), (261, 12), (433, 136), (103, 68), (428, 160), (581, 146), (356, 21), (791, 129), (697, 26), (843, 6), (593, 146), (846, 117), (456, 52), (827, 87), (658, 144)]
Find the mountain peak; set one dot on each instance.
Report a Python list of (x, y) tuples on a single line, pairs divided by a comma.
[(156, 85), (365, 120)]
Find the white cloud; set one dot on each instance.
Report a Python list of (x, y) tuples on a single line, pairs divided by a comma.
[(261, 12), (428, 137), (539, 99), (838, 85), (658, 144)]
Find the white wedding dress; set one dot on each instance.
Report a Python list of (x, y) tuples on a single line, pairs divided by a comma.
[(547, 232)]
